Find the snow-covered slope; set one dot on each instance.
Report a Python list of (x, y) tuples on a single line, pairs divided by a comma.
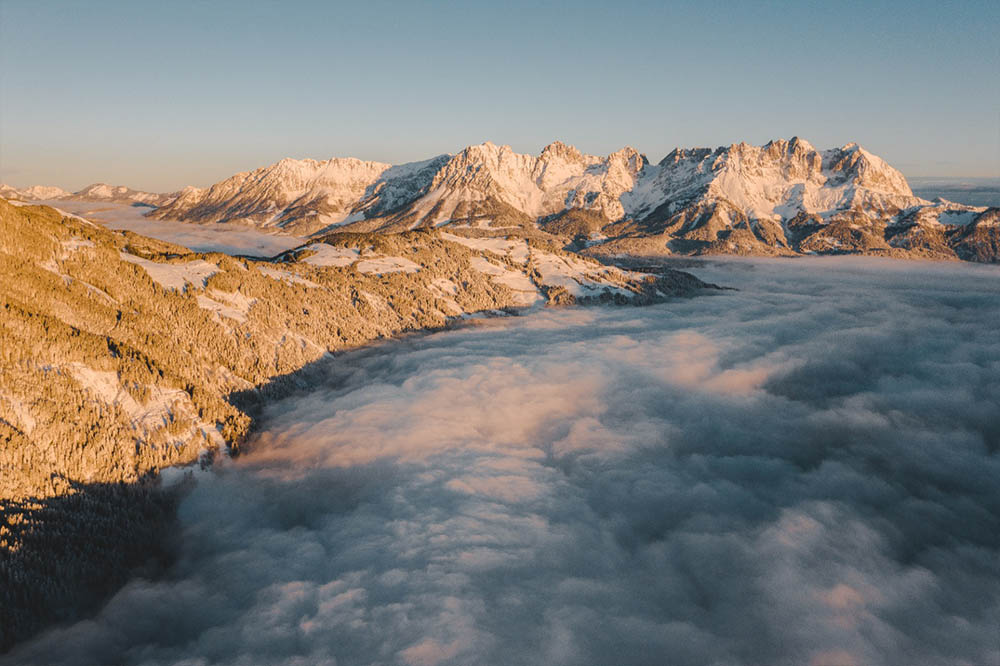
[(773, 182), (433, 192), (122, 323), (560, 178), (303, 196)]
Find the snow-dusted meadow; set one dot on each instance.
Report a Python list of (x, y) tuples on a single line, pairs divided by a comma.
[(803, 471)]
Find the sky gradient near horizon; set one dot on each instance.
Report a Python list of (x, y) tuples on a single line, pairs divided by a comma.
[(160, 95)]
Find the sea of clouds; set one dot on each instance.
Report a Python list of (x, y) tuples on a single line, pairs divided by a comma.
[(802, 472), (209, 237)]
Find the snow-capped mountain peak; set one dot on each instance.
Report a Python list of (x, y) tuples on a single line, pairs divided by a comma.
[(561, 177), (281, 193), (773, 182)]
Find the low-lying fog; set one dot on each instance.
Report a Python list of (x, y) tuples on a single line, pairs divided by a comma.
[(226, 238), (802, 472)]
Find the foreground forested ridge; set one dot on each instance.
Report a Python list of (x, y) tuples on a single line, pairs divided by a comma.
[(118, 352)]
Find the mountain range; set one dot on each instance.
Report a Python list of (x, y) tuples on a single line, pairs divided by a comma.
[(783, 198)]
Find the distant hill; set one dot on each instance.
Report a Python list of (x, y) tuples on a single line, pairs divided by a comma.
[(96, 192)]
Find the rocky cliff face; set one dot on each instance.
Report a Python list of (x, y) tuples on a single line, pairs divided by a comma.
[(782, 198), (560, 178), (787, 198), (775, 181), (772, 182)]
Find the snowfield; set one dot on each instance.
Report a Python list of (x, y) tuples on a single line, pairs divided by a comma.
[(328, 255), (383, 265), (175, 276), (287, 276)]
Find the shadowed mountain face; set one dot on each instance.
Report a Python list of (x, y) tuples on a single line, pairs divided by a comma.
[(61, 556)]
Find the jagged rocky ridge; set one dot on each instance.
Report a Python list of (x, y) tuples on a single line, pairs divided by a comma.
[(783, 198)]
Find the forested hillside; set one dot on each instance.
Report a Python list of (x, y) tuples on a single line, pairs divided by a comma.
[(118, 355)]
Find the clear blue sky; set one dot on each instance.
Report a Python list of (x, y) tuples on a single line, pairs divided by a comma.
[(157, 95)]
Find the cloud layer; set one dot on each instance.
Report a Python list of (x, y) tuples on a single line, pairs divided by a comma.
[(801, 472), (228, 238)]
